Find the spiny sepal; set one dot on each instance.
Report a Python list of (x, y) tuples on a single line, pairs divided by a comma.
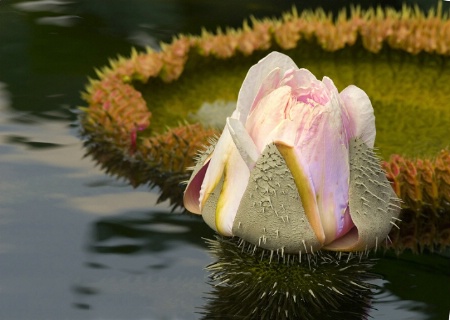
[(271, 213), (373, 205)]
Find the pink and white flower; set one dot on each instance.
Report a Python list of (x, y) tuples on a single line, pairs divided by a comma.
[(294, 167)]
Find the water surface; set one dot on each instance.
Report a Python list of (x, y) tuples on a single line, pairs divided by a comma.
[(77, 244)]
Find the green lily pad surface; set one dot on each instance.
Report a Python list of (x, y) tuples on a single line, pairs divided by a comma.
[(410, 93)]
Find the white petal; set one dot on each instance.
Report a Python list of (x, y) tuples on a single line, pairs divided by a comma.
[(216, 165), (268, 84), (360, 111), (256, 76), (235, 182), (243, 142)]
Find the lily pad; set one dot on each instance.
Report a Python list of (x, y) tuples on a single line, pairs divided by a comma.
[(145, 118)]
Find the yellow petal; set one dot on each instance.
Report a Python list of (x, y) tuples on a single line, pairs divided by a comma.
[(303, 182)]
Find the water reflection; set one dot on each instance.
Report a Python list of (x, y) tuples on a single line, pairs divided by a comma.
[(61, 21), (146, 232), (389, 306), (30, 144), (154, 259), (53, 6), (252, 283), (5, 98), (411, 285)]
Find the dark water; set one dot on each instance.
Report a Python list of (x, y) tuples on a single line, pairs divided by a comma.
[(77, 244)]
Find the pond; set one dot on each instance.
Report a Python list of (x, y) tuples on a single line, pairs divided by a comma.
[(78, 244)]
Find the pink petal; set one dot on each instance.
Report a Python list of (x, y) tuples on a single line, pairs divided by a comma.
[(298, 78), (191, 197), (344, 243), (360, 111), (332, 92), (270, 83), (305, 86), (269, 112), (255, 77), (323, 143)]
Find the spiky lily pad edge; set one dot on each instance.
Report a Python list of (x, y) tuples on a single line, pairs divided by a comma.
[(114, 125), (152, 168), (423, 185)]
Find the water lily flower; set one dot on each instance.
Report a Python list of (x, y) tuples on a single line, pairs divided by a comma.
[(294, 169)]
